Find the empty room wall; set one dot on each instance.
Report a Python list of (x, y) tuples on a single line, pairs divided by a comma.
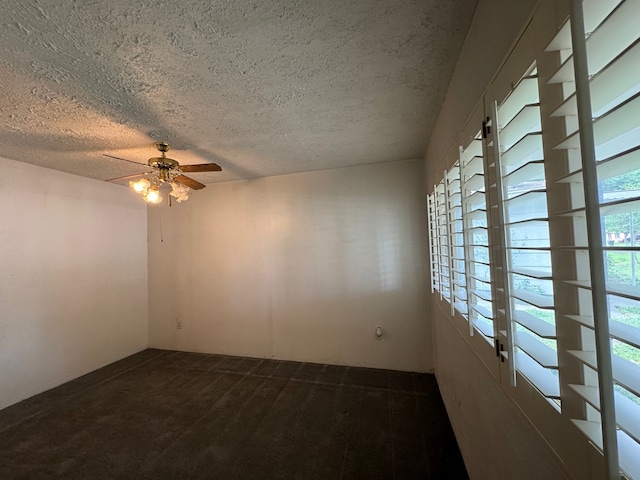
[(73, 277), (298, 267), (495, 438)]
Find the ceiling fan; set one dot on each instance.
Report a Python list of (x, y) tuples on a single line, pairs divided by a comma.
[(166, 170)]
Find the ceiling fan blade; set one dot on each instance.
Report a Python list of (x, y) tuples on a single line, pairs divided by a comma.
[(126, 176), (202, 167), (123, 159), (189, 182)]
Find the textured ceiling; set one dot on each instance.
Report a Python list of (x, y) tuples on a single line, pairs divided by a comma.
[(260, 87)]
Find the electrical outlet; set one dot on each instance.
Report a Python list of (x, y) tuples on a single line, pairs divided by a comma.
[(178, 324)]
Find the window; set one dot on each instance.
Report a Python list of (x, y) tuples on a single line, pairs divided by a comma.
[(444, 206), (434, 258), (612, 81), (456, 240), (440, 258), (535, 231), (476, 239), (521, 216)]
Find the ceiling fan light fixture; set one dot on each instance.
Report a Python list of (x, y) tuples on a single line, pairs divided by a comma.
[(179, 192), (152, 195), (141, 186), (166, 170)]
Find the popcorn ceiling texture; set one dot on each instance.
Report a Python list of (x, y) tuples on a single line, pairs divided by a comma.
[(262, 88)]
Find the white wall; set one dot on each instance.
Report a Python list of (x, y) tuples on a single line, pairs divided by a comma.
[(298, 267), (495, 438), (494, 29), (73, 277)]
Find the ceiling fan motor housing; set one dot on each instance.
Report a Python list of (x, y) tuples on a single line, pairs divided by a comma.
[(163, 165)]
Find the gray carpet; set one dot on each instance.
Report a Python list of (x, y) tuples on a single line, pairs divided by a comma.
[(175, 415)]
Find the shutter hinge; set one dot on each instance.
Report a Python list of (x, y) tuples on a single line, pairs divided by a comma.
[(499, 348), (486, 127)]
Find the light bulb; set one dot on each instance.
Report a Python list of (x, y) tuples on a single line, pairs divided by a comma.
[(153, 196), (141, 185)]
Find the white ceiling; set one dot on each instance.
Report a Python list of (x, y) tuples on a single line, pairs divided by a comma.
[(260, 87)]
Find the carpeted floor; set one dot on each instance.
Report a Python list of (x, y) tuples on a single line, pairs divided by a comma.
[(175, 415)]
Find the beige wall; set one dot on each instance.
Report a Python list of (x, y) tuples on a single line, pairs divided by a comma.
[(495, 438), (73, 278), (298, 267)]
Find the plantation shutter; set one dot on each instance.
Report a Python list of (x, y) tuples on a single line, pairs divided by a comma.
[(456, 241), (434, 249), (476, 239), (522, 218), (613, 82), (442, 233)]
